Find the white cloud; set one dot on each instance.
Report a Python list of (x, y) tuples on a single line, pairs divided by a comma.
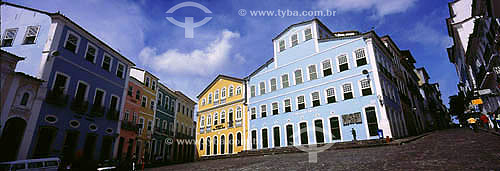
[(198, 62), (380, 7), (425, 34)]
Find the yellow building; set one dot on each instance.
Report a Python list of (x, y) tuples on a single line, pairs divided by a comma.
[(222, 123), (184, 146), (146, 115)]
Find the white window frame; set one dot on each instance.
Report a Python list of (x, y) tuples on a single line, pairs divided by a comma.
[(355, 57), (26, 34), (96, 52), (338, 61), (66, 84), (216, 95), (202, 121), (312, 100), (124, 70), (203, 102), (231, 91), (360, 88), (294, 76), (223, 116), (261, 87), (110, 61), (86, 90), (307, 128), (309, 72), (209, 120), (340, 128), (255, 91), (239, 110), (304, 32), (238, 90), (77, 42), (117, 107), (352, 90), (272, 135), (334, 94), (314, 130), (277, 102), (223, 93), (322, 69), (284, 105), (291, 39), (281, 78), (146, 101), (5, 35), (265, 106), (297, 101), (251, 112), (210, 101), (279, 45), (103, 96), (271, 84)]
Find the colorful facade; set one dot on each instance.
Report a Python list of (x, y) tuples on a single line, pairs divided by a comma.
[(19, 107), (126, 147), (84, 82), (184, 146), (320, 86), (164, 124), (222, 123), (146, 116)]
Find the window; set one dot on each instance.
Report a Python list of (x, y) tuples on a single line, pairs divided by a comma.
[(254, 139), (265, 142), (308, 34), (343, 64), (203, 101), (303, 133), (91, 53), (130, 91), (106, 62), (223, 92), (138, 94), (327, 67), (371, 118), (231, 91), (202, 121), (144, 101), (99, 97), (8, 37), (153, 85), (238, 139), (238, 90), (134, 117), (201, 144), (263, 111), (262, 87), (24, 99), (210, 98), (238, 113), (253, 113), (216, 118), (301, 102), (31, 33), (150, 125), (60, 83), (147, 82), (284, 81), (120, 70), (208, 146), (312, 72), (315, 99), (288, 106), (273, 84), (223, 117), (298, 76), (276, 136), (320, 137), (81, 91), (282, 45), (160, 95), (360, 57), (216, 95), (365, 87), (252, 91), (275, 107), (209, 120), (71, 43), (113, 105), (152, 105), (289, 135), (347, 88), (330, 95), (295, 40), (335, 128)]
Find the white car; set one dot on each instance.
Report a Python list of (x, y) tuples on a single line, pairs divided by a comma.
[(45, 164)]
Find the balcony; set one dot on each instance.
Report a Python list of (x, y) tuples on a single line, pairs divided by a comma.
[(209, 128), (202, 130), (97, 110), (79, 106), (239, 123), (129, 126), (113, 115), (57, 98)]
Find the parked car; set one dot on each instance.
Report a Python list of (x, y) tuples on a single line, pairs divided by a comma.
[(45, 164), (107, 165)]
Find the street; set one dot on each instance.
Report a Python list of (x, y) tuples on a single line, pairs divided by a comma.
[(453, 149)]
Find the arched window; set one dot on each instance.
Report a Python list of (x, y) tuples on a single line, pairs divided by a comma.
[(238, 113), (24, 99), (231, 116), (238, 139), (216, 117), (202, 121), (223, 117), (209, 120), (201, 144), (223, 93), (208, 146), (231, 90)]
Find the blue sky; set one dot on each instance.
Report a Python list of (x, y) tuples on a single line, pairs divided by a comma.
[(236, 45)]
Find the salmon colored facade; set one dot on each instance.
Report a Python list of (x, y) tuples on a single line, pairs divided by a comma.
[(221, 117)]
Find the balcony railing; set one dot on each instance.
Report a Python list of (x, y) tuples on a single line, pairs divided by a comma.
[(97, 110), (239, 123), (57, 98), (113, 114), (202, 130), (79, 106), (129, 126)]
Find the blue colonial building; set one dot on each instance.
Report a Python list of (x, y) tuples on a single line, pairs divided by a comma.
[(321, 85), (83, 89)]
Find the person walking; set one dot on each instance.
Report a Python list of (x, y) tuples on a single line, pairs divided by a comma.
[(493, 121), (353, 131), (472, 123)]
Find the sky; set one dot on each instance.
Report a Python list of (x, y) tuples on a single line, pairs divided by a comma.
[(236, 45)]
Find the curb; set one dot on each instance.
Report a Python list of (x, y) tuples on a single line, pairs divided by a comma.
[(413, 138), (491, 132)]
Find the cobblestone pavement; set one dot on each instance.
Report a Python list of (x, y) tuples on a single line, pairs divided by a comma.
[(454, 149)]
